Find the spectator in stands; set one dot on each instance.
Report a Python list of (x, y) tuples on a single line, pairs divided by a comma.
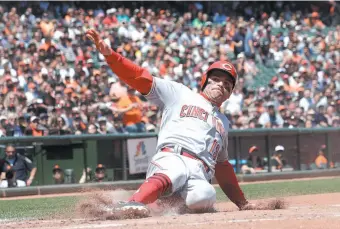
[(78, 124), (87, 176), (22, 166), (34, 129), (58, 175), (100, 173), (254, 162), (249, 48), (47, 66), (102, 129), (320, 118), (306, 102), (10, 180), (152, 122), (277, 160), (132, 118), (98, 176), (321, 161), (92, 129), (271, 118), (43, 117), (313, 21), (239, 40)]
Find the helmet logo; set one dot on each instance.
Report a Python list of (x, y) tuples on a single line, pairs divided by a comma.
[(227, 66)]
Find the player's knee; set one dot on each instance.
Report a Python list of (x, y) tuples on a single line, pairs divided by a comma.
[(164, 164), (176, 180), (202, 198)]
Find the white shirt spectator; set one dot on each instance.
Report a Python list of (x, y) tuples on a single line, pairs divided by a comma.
[(197, 57), (274, 23), (12, 72), (264, 119), (286, 40), (20, 183), (57, 35), (277, 54), (123, 31), (226, 48), (196, 39), (67, 72), (337, 85), (30, 96), (233, 104), (137, 34), (305, 104), (207, 41), (184, 37), (322, 102)]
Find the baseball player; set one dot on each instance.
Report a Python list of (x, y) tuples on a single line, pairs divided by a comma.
[(193, 137)]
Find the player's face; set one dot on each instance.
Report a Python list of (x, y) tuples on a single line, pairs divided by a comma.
[(219, 86), (10, 152)]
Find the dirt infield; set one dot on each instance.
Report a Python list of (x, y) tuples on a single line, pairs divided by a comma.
[(309, 211)]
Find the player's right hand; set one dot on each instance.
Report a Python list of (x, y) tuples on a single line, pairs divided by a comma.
[(247, 206), (101, 46)]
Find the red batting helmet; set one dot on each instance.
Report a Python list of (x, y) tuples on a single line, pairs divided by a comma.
[(225, 66)]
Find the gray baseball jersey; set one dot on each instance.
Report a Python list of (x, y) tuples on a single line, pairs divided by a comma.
[(190, 121)]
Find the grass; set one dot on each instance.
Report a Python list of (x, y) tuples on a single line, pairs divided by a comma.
[(44, 207), (36, 208), (287, 188)]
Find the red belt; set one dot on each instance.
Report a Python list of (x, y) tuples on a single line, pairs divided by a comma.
[(186, 154)]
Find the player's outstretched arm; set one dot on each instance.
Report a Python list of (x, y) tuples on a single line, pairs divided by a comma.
[(227, 180), (132, 74)]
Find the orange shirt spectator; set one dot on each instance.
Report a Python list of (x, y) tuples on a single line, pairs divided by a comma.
[(46, 45), (159, 37), (134, 115), (71, 83), (314, 20), (47, 27), (321, 160), (296, 58)]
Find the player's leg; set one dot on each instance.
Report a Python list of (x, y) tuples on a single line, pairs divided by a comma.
[(199, 195), (166, 174)]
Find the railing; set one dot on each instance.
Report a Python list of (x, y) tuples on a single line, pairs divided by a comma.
[(87, 150), (301, 144)]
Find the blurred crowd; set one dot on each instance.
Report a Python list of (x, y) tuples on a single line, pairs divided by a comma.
[(54, 82)]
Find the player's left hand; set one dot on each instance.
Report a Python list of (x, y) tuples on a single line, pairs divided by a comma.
[(246, 206), (101, 46)]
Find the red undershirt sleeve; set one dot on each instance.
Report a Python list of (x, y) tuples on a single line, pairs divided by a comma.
[(130, 73), (227, 180)]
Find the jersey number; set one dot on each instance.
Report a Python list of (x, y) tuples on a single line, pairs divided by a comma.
[(215, 148)]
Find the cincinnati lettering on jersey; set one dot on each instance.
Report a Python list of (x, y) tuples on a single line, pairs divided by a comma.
[(194, 112), (219, 126)]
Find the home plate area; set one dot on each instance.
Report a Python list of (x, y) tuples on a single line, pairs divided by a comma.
[(309, 211)]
